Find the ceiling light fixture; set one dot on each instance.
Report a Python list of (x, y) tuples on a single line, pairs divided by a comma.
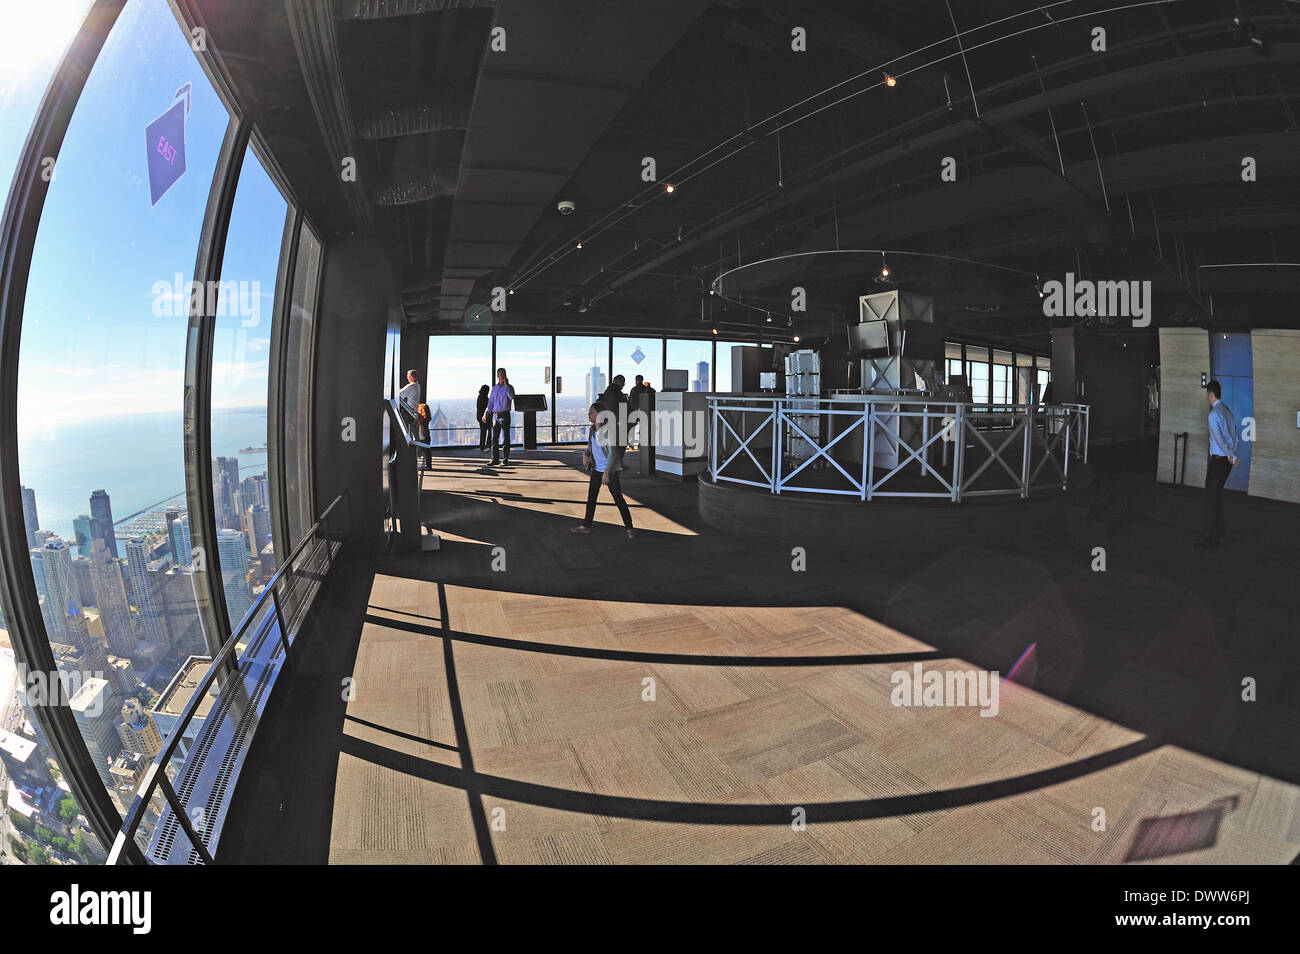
[(796, 339), (715, 331), (769, 317), (670, 188), (579, 245), (884, 267), (891, 80)]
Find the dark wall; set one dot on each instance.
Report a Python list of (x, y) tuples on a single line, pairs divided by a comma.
[(1113, 372), (356, 294)]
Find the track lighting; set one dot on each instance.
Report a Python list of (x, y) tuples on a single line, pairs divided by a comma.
[(884, 266), (796, 339), (579, 245), (891, 80), (715, 331), (670, 188), (769, 318)]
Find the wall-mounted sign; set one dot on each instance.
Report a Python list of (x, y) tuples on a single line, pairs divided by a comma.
[(165, 146)]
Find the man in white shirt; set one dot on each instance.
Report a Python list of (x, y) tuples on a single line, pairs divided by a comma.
[(409, 396)]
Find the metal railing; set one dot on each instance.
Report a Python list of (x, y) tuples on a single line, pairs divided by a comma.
[(882, 445), (282, 605)]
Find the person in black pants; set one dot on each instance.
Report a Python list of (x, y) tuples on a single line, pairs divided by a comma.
[(603, 460), (484, 428), (1223, 457)]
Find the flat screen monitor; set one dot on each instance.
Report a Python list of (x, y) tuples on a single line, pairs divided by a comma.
[(530, 402), (870, 339)]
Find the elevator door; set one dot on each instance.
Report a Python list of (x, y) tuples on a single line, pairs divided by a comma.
[(1233, 368)]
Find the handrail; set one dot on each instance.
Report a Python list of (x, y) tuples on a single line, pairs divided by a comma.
[(156, 773)]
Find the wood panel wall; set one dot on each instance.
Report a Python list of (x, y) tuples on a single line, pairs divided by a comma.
[(1275, 455), (1184, 355)]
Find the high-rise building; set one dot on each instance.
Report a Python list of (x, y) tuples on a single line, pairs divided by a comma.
[(60, 587), (30, 520), (101, 520), (701, 381), (137, 730), (233, 556), (83, 586), (225, 485), (260, 519), (147, 598), (181, 537), (82, 530), (595, 384), (92, 706), (173, 514), (110, 597)]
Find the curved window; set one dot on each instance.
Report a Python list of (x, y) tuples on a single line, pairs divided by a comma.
[(45, 822), (240, 378), (299, 362), (100, 385)]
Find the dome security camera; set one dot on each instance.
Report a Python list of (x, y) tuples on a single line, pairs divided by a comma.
[(566, 207)]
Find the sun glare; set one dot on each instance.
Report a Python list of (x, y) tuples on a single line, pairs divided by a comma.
[(32, 34)]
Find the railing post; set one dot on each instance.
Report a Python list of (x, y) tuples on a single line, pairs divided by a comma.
[(777, 456), (871, 448), (1065, 475), (1028, 449), (865, 421), (279, 621), (959, 453), (182, 817), (713, 440)]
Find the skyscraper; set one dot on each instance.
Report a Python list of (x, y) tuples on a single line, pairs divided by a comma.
[(137, 730), (225, 485), (60, 587), (595, 384), (181, 537), (147, 598), (233, 557), (82, 531), (101, 521), (92, 707), (83, 585), (110, 597), (173, 514), (30, 519), (261, 522)]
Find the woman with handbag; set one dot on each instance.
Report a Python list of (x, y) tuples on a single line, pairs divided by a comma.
[(603, 459)]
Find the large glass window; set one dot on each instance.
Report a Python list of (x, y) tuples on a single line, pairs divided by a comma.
[(44, 822), (240, 370), (527, 360), (582, 373), (295, 425), (459, 367), (1001, 377), (693, 357), (633, 356), (1044, 370), (977, 373), (100, 384), (952, 360), (724, 380)]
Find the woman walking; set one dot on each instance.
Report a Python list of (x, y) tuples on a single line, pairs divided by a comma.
[(603, 460)]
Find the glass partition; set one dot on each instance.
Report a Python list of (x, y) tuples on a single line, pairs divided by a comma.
[(459, 366), (240, 369), (45, 822), (581, 374), (296, 420), (1001, 370), (100, 385), (633, 356), (693, 357), (527, 360)]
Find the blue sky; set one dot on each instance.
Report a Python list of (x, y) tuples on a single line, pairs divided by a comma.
[(103, 252)]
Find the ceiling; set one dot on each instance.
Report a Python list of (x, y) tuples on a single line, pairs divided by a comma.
[(469, 120)]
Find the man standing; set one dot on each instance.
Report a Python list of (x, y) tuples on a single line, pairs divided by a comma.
[(500, 400), (409, 396), (1223, 457)]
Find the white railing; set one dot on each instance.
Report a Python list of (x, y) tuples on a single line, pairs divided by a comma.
[(881, 445)]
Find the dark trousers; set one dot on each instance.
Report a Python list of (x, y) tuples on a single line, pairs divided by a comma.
[(1216, 475), (501, 428), (484, 435), (615, 491)]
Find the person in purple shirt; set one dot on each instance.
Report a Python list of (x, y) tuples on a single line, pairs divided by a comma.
[(500, 400)]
